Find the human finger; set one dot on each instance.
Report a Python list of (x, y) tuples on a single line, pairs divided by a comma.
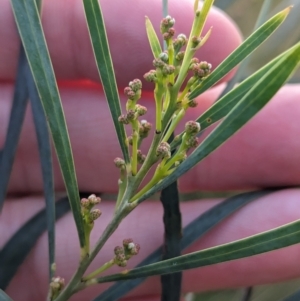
[(262, 154), (70, 47), (144, 226)]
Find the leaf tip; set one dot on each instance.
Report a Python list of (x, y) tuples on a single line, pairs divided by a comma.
[(287, 10)]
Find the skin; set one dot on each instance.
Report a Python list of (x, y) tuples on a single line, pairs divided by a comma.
[(256, 157)]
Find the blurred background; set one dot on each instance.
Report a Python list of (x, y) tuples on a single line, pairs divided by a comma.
[(246, 12)]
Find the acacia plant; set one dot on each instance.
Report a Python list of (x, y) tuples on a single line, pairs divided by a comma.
[(178, 78)]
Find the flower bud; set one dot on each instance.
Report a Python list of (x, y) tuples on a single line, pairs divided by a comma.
[(166, 23), (118, 250), (192, 127), (94, 214), (130, 115), (144, 128), (129, 93), (85, 203), (168, 69), (164, 57), (195, 41), (158, 63), (123, 119), (127, 241), (119, 162), (135, 85), (140, 157), (179, 56), (94, 200), (192, 142), (163, 150), (150, 76), (193, 103), (169, 34), (141, 110)]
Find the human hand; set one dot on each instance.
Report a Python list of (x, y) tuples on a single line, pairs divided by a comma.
[(256, 157)]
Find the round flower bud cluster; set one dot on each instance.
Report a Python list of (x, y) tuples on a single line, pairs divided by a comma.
[(141, 157), (150, 76), (166, 23), (133, 91), (56, 286), (164, 150), (88, 213), (179, 42), (165, 68), (190, 137), (123, 254), (144, 128), (201, 69), (195, 41)]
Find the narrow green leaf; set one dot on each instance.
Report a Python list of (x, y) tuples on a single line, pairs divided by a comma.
[(274, 239), (30, 29), (153, 39), (251, 103), (248, 46), (105, 67), (14, 252), (191, 233), (44, 144), (17, 113), (275, 292), (4, 297), (293, 297), (225, 104)]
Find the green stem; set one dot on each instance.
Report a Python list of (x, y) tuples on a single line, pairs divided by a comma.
[(171, 59), (173, 124), (158, 94), (198, 24), (122, 187), (103, 268), (75, 281), (156, 177), (135, 140)]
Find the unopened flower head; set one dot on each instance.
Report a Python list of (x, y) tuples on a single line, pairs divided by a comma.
[(94, 200), (179, 56), (168, 69), (192, 127), (195, 41), (85, 203), (128, 91), (127, 241), (163, 150), (119, 162), (144, 128), (95, 214), (192, 142), (158, 63), (141, 157), (135, 85), (169, 34), (57, 284), (130, 115), (164, 57), (123, 119), (193, 103), (141, 110), (118, 250), (150, 76), (166, 23)]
